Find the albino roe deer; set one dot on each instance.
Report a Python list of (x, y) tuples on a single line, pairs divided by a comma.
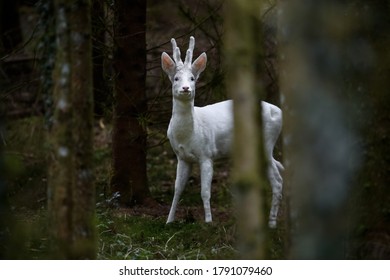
[(202, 134)]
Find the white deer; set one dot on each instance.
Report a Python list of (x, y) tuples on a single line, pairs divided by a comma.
[(203, 134)]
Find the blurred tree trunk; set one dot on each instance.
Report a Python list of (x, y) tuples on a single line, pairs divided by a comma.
[(243, 57), (61, 168), (129, 133), (84, 232), (334, 81), (370, 203), (71, 185), (319, 154)]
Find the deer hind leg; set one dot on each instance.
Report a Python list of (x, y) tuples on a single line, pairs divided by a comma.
[(206, 169), (182, 173), (276, 181)]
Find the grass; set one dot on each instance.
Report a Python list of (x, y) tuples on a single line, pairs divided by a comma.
[(126, 237)]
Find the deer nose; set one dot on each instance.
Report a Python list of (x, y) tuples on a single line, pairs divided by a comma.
[(186, 88)]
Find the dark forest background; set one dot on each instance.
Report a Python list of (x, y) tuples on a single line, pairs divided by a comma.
[(87, 170)]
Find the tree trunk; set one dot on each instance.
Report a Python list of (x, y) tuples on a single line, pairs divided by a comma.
[(243, 53), (129, 133), (84, 232), (71, 185), (62, 168), (370, 203), (320, 153), (335, 117)]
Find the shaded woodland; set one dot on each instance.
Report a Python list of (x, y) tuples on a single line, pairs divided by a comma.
[(86, 169)]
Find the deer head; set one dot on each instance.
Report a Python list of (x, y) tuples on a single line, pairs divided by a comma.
[(183, 76)]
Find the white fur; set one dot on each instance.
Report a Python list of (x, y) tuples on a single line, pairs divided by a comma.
[(202, 134)]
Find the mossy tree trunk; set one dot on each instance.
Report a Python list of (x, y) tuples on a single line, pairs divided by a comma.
[(61, 173), (83, 194), (370, 203), (334, 80), (129, 177), (243, 57), (320, 154), (71, 185)]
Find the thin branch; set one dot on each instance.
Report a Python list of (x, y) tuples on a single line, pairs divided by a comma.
[(23, 45)]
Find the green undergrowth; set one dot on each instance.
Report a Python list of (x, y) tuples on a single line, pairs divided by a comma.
[(129, 237), (122, 236)]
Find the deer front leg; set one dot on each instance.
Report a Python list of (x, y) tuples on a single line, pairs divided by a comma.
[(182, 173), (206, 174)]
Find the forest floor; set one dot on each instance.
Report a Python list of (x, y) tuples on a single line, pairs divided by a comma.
[(132, 233)]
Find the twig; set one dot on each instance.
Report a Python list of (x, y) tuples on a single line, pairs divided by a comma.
[(23, 46)]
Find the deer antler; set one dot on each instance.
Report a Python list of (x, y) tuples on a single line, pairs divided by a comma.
[(176, 54), (188, 60)]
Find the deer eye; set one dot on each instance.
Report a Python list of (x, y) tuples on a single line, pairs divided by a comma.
[(192, 79), (176, 79)]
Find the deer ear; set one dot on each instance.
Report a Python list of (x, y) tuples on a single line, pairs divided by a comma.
[(199, 65), (168, 65)]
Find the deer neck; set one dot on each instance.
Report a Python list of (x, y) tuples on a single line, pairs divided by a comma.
[(182, 121)]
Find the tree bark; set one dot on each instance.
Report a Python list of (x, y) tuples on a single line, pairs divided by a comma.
[(61, 169), (370, 201), (243, 52), (335, 117), (84, 232), (71, 193), (129, 177)]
